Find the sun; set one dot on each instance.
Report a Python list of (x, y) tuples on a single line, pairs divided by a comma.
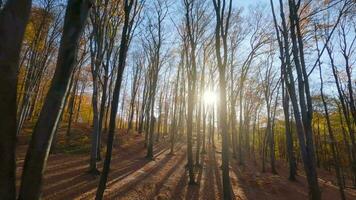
[(210, 97)]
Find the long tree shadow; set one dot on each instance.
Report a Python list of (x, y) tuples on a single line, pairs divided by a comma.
[(140, 178), (217, 173), (182, 182), (157, 152), (152, 170), (215, 158), (193, 190), (122, 166), (67, 176), (61, 166), (248, 187), (86, 182), (205, 188), (209, 180), (160, 184)]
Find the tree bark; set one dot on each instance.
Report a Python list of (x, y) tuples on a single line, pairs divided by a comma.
[(36, 157), (129, 20), (13, 19), (221, 31)]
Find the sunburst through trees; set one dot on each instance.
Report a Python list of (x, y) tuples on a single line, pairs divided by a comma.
[(177, 99)]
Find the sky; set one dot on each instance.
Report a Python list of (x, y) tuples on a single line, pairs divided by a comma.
[(247, 2)]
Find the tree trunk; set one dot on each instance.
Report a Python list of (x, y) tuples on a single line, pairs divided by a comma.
[(36, 157), (221, 31), (71, 111), (333, 141), (304, 117), (289, 137), (104, 97), (95, 133), (124, 45), (13, 19)]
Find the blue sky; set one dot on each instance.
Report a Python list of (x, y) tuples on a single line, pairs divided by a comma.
[(247, 2)]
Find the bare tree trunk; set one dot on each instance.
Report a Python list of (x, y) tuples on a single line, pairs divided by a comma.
[(336, 158), (192, 32), (130, 13), (95, 133), (304, 117), (333, 144), (289, 137), (13, 19), (154, 46), (191, 92), (203, 150), (174, 119), (272, 138), (36, 157), (71, 105), (80, 102), (200, 105), (346, 114), (221, 30), (104, 97), (159, 123), (142, 110), (149, 154), (135, 85)]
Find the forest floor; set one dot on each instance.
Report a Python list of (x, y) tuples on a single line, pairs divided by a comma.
[(132, 176)]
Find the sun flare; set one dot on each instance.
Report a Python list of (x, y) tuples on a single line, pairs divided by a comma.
[(210, 97)]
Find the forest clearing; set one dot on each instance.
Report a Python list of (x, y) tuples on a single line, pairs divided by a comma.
[(178, 99)]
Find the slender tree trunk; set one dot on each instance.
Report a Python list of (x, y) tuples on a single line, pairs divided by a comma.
[(36, 157), (333, 144), (203, 151), (175, 109), (129, 18), (303, 118), (240, 125), (221, 31), (149, 154), (346, 114), (288, 133), (191, 93), (197, 153), (71, 110), (80, 102), (272, 138), (95, 133), (104, 97), (199, 110)]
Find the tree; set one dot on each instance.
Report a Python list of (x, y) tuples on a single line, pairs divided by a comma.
[(136, 77), (73, 95), (13, 19), (330, 130), (104, 30), (36, 157), (195, 23), (132, 9), (153, 46), (175, 104), (40, 45), (302, 104), (270, 86), (221, 31)]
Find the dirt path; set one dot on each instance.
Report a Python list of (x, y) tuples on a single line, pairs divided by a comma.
[(134, 177)]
